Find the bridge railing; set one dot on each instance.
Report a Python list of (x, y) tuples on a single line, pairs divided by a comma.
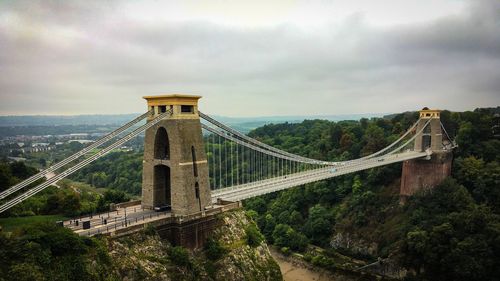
[(125, 226)]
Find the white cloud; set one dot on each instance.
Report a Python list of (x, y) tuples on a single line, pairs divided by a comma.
[(283, 58)]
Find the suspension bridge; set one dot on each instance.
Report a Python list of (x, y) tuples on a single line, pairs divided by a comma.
[(192, 162)]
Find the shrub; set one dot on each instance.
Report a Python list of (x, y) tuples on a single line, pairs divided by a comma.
[(253, 236), (285, 251), (214, 250), (149, 229), (179, 256), (285, 236), (322, 261)]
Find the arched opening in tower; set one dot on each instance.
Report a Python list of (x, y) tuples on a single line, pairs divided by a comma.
[(162, 147), (162, 190), (426, 137)]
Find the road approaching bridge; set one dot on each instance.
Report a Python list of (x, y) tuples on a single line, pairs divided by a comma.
[(107, 222)]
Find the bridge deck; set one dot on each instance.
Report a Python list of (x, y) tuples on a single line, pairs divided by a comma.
[(135, 215), (240, 192)]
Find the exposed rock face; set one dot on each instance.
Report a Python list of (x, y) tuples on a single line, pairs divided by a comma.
[(353, 244), (148, 257), (244, 262), (387, 267), (140, 257)]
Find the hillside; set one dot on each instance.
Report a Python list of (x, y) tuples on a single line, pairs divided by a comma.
[(347, 222), (449, 233), (46, 252)]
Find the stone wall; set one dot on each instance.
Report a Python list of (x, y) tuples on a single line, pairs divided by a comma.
[(191, 234), (421, 174), (183, 180)]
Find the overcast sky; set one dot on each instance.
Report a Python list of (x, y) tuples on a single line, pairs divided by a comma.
[(249, 58)]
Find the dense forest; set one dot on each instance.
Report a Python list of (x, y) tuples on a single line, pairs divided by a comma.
[(68, 198), (118, 170), (451, 232)]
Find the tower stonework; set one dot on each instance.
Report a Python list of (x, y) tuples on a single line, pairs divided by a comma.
[(175, 168), (419, 174)]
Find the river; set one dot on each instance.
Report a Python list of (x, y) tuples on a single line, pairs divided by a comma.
[(295, 271)]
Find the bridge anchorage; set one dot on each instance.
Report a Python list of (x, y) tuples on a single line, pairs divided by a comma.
[(195, 167), (420, 174)]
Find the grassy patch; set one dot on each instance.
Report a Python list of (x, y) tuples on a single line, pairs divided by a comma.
[(84, 187), (13, 223), (237, 244)]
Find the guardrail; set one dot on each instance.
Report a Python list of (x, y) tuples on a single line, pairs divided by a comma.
[(129, 225)]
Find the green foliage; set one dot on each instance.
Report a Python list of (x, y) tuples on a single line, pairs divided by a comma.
[(357, 185), (285, 250), (257, 204), (13, 173), (47, 252), (118, 170), (374, 139), (253, 236), (481, 179), (285, 236), (14, 223), (322, 261), (453, 237), (214, 249), (252, 214), (70, 199), (179, 256), (450, 233), (319, 225), (67, 203), (150, 229), (115, 196)]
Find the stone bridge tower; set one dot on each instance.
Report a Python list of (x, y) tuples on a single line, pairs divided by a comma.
[(175, 168), (421, 174)]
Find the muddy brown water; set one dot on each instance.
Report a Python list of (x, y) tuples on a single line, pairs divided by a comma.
[(293, 271)]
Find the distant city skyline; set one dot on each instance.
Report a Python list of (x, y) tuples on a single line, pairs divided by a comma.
[(249, 59)]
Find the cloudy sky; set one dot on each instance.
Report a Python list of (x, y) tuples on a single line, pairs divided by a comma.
[(249, 58)]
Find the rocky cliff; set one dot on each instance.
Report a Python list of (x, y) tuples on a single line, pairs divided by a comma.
[(231, 255)]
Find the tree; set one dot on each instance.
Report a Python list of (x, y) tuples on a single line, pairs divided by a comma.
[(465, 138), (115, 196), (335, 135), (6, 177), (257, 204), (179, 256), (285, 236), (70, 204), (469, 170), (357, 185), (253, 236), (374, 139), (21, 171), (346, 141), (319, 225), (214, 249), (269, 225), (454, 238)]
